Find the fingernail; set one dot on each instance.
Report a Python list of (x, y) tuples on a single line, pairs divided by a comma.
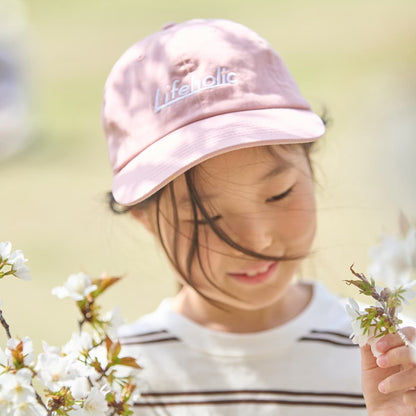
[(382, 387), (381, 345), (382, 361)]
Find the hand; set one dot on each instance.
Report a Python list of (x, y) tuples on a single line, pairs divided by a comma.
[(389, 381)]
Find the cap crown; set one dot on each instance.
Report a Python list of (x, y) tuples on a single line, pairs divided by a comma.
[(189, 72)]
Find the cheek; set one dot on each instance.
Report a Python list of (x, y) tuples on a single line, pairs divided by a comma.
[(181, 242), (300, 223), (210, 247)]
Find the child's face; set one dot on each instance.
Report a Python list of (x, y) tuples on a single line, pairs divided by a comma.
[(264, 203)]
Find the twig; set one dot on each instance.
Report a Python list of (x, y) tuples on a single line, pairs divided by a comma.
[(40, 401), (5, 325)]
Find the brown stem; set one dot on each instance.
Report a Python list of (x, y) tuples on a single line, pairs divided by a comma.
[(81, 324), (5, 325), (40, 401), (103, 371), (359, 275)]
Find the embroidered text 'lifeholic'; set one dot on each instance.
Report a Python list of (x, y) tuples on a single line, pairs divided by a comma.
[(177, 92)]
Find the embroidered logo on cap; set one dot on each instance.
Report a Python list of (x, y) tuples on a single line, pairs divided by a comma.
[(177, 92)]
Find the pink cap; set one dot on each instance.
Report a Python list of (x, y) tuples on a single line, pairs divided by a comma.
[(193, 91)]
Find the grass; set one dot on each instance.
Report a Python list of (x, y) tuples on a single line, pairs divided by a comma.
[(347, 56)]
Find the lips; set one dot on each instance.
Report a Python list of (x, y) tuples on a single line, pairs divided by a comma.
[(255, 275)]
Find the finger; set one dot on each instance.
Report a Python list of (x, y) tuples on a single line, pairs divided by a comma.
[(394, 340), (396, 356), (368, 361), (401, 381), (409, 398)]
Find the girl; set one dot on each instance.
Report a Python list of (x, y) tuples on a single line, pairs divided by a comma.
[(209, 139)]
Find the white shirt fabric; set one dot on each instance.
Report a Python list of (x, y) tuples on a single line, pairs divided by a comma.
[(307, 366)]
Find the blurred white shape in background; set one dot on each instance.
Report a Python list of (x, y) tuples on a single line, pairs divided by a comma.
[(392, 111), (399, 142), (15, 127)]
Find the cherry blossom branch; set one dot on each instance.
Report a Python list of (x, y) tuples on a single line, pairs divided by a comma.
[(82, 377), (394, 262)]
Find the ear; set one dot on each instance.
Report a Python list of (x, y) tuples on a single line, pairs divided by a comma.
[(143, 216)]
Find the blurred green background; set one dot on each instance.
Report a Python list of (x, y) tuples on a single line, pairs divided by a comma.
[(354, 58)]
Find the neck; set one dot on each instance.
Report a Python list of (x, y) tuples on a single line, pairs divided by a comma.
[(229, 319)]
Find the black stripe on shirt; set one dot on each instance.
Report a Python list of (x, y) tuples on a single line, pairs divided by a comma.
[(328, 341), (338, 334), (328, 337), (251, 401), (252, 397), (252, 391), (144, 334), (149, 341), (151, 337)]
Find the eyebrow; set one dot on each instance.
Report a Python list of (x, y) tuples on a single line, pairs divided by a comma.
[(277, 170)]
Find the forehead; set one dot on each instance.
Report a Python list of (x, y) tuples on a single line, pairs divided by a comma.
[(248, 162), (242, 168)]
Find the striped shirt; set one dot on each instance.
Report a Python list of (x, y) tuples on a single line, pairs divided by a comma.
[(306, 366)]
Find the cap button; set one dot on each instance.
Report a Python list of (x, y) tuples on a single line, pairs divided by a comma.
[(168, 25)]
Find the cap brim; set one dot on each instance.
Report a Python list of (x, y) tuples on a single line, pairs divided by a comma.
[(190, 145)]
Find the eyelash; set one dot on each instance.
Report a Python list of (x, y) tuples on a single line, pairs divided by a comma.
[(274, 198), (281, 196)]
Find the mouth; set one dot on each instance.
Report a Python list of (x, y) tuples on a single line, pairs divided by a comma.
[(255, 276)]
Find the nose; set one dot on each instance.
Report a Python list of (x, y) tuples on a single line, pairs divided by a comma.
[(254, 234)]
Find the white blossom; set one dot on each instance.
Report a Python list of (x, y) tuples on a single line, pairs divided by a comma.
[(50, 349), (80, 387), (23, 273), (408, 293), (3, 361), (94, 405), (17, 260), (77, 287), (353, 309), (4, 404), (113, 320), (12, 344), (29, 408), (99, 354), (357, 336), (56, 371), (5, 249), (80, 342), (17, 387)]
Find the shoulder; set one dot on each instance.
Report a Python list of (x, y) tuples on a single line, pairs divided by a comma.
[(152, 327), (327, 310)]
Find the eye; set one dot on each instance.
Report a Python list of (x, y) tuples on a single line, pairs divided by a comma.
[(280, 196), (206, 221)]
